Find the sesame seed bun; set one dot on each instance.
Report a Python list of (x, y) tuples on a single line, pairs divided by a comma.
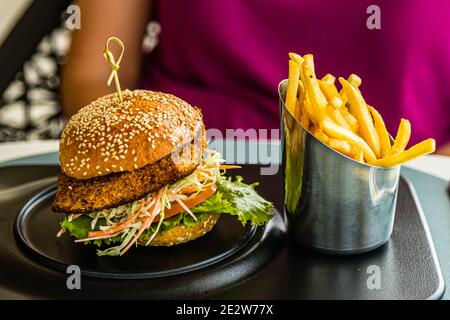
[(181, 233), (107, 136)]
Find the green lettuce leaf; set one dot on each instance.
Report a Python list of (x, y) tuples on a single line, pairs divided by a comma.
[(215, 203), (232, 197), (244, 201), (80, 227)]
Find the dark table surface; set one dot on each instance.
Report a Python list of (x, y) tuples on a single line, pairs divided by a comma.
[(431, 191)]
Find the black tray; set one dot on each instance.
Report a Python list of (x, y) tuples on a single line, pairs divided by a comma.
[(261, 265)]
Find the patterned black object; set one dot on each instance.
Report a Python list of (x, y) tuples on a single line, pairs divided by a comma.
[(30, 107), (31, 56)]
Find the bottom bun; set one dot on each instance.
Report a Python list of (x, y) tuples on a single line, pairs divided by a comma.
[(181, 233)]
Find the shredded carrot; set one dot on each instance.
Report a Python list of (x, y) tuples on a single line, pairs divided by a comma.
[(229, 166), (186, 209), (189, 189), (176, 208), (202, 172), (117, 228), (96, 238), (156, 208)]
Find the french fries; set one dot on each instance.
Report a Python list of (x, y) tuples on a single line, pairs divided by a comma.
[(328, 78), (359, 109), (402, 137), (343, 120), (385, 141), (342, 146), (316, 97), (330, 91), (425, 147), (359, 155), (309, 60), (337, 117), (354, 80), (351, 120), (320, 135), (291, 94), (336, 131), (299, 107), (304, 119), (296, 57)]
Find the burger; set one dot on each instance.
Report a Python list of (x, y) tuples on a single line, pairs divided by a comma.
[(137, 172)]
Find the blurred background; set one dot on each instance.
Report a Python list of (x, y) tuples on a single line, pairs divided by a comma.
[(34, 42), (33, 46), (226, 57)]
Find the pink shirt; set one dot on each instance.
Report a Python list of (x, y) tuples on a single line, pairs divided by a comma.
[(228, 57)]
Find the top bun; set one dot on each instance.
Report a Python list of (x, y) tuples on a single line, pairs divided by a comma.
[(107, 136)]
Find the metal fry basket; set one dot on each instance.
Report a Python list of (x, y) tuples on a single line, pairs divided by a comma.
[(333, 203)]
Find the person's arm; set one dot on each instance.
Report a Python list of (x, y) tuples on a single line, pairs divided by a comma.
[(85, 74), (444, 150)]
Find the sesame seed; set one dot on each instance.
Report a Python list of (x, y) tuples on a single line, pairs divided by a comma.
[(111, 126)]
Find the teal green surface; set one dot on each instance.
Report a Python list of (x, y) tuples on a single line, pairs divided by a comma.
[(431, 192)]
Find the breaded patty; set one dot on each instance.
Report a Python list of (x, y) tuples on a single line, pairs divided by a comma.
[(95, 194)]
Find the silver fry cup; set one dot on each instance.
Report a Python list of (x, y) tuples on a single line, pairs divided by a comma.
[(333, 203)]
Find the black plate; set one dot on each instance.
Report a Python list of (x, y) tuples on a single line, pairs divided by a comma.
[(36, 226), (33, 262)]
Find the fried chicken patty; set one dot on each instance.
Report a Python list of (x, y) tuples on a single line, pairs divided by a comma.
[(115, 189)]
